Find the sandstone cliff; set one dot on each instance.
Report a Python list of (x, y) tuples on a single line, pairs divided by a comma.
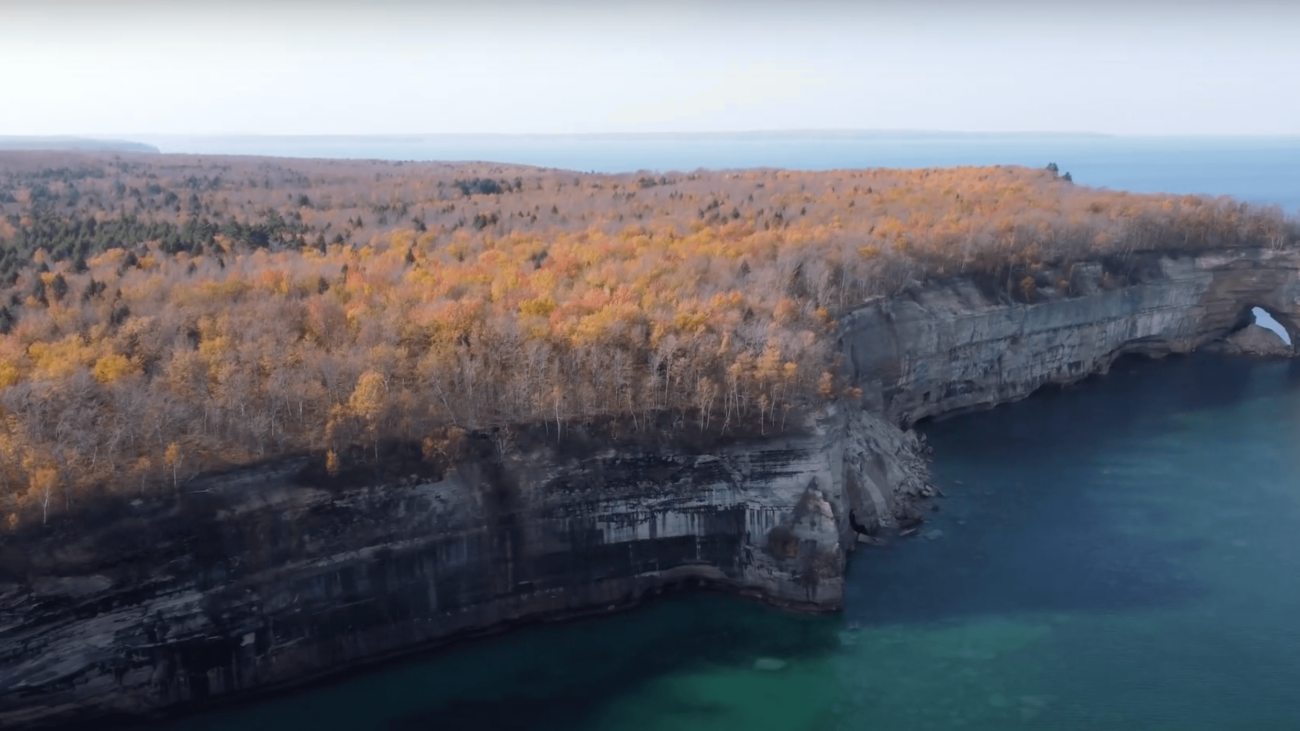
[(262, 578), (954, 347), (270, 576)]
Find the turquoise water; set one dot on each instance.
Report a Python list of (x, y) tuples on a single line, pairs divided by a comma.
[(1124, 554)]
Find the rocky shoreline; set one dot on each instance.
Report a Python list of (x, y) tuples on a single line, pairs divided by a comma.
[(269, 576)]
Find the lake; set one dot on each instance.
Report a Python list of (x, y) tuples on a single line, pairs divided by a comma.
[(1121, 554)]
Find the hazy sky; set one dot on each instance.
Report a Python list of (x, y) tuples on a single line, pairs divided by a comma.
[(290, 67)]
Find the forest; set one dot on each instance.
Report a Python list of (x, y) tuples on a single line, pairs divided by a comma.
[(166, 315)]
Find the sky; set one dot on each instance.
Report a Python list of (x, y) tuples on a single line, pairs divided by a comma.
[(294, 67)]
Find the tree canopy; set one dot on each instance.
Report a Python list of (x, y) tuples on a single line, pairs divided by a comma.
[(184, 313)]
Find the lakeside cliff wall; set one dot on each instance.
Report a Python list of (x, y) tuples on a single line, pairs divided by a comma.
[(268, 576), (259, 578), (954, 347)]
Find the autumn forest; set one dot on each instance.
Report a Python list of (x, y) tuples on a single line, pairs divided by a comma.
[(161, 316)]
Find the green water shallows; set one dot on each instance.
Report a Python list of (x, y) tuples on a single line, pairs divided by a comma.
[(1121, 555)]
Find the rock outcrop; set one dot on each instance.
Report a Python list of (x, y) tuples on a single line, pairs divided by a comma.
[(270, 576), (1255, 340), (265, 578), (955, 347)]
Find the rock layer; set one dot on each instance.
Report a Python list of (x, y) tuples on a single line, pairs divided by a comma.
[(271, 576), (955, 347), (261, 578)]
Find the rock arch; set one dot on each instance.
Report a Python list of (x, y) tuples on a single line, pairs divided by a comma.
[(1278, 323), (1259, 330), (948, 347)]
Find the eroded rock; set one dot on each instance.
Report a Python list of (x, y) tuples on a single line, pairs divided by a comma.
[(1257, 341), (957, 346), (260, 578)]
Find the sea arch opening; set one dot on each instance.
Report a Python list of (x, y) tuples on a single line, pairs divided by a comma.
[(1279, 322), (1265, 319)]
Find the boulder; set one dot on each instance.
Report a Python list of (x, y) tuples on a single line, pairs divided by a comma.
[(1256, 340)]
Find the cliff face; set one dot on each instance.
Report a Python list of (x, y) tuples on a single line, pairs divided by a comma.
[(260, 578), (956, 347), (271, 576)]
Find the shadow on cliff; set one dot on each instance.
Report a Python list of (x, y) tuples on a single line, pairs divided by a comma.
[(1033, 536)]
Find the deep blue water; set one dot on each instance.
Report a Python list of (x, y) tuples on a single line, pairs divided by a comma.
[(1120, 555), (1263, 170)]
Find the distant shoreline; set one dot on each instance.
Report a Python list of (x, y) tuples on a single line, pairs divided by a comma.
[(1251, 168), (74, 144)]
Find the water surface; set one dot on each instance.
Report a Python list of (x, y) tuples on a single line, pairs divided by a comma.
[(1123, 554)]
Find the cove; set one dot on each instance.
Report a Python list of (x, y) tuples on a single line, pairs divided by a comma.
[(1118, 554)]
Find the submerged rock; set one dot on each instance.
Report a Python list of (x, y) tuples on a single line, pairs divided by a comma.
[(909, 516)]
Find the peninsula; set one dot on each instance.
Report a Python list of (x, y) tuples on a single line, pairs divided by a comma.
[(268, 419)]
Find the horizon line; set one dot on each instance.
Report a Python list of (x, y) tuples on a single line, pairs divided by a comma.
[(829, 132)]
